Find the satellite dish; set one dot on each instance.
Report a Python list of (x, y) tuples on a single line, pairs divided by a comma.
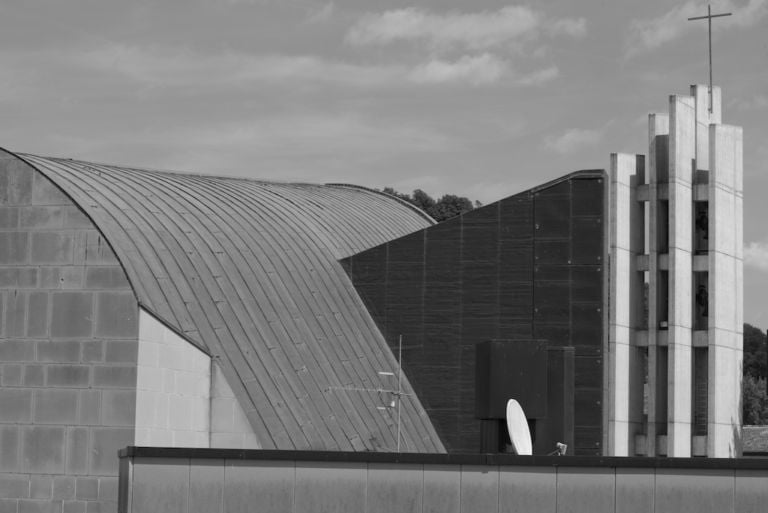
[(517, 425)]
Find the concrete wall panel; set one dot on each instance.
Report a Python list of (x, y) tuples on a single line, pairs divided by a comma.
[(751, 492), (313, 484), (330, 487), (522, 490), (479, 489), (634, 491), (206, 486), (442, 489), (161, 486), (268, 485), (585, 490), (394, 487), (694, 491)]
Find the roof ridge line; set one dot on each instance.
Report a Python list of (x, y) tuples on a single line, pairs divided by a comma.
[(386, 195)]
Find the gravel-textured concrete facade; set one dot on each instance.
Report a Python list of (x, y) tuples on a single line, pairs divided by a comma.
[(68, 348)]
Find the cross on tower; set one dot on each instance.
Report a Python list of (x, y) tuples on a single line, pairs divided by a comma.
[(709, 17)]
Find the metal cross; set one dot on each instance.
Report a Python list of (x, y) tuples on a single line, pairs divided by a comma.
[(709, 17)]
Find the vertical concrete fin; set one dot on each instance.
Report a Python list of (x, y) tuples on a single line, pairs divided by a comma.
[(682, 155), (658, 173), (627, 172), (725, 289), (704, 118)]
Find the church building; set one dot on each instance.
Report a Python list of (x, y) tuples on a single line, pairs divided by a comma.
[(151, 308)]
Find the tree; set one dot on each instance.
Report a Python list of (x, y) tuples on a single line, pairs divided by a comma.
[(754, 352), (423, 200), (754, 394), (392, 192), (446, 207), (450, 206), (754, 401)]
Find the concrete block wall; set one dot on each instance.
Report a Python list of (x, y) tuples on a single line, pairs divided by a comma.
[(68, 328), (172, 388), (182, 397)]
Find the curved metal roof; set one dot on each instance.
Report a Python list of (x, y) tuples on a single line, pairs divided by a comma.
[(248, 270)]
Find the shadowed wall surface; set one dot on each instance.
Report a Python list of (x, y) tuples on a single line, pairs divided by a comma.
[(526, 267), (209, 481)]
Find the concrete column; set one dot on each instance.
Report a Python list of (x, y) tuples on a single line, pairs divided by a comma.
[(658, 171), (682, 155), (626, 243), (703, 119), (725, 289)]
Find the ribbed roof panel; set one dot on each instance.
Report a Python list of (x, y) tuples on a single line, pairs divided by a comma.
[(249, 270)]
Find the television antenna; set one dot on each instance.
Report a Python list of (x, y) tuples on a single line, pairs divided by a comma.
[(395, 393)]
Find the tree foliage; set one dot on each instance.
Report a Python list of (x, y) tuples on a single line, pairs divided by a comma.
[(755, 401), (754, 352), (446, 207), (754, 393)]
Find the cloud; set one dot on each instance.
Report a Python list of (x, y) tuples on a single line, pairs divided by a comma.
[(188, 70), (649, 34), (298, 146), (539, 77), (166, 67), (474, 31), (479, 70), (756, 255), (573, 140), (568, 27), (322, 14)]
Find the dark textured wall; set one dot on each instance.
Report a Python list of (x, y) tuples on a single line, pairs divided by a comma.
[(68, 347), (526, 267)]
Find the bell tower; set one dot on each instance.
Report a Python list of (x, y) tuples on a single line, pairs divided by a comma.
[(675, 307)]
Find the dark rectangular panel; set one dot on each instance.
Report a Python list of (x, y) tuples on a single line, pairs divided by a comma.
[(555, 335), (548, 272), (552, 211), (408, 249), (511, 369), (588, 407), (587, 197), (589, 372), (587, 441), (480, 234), (559, 424), (587, 324), (516, 218), (556, 251), (587, 283), (552, 302), (587, 240)]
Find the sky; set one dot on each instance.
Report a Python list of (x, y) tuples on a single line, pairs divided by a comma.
[(481, 99)]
